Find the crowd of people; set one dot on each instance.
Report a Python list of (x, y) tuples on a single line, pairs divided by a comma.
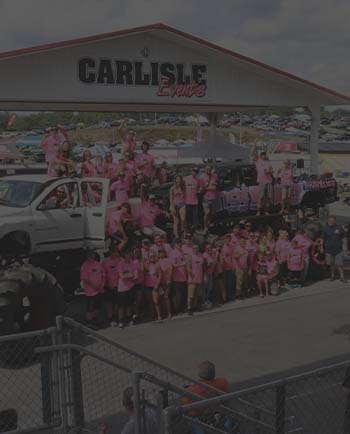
[(156, 279)]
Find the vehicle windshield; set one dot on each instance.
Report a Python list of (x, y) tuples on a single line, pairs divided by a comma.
[(18, 194)]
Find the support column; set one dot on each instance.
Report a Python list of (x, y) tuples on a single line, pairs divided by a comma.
[(214, 119), (315, 138)]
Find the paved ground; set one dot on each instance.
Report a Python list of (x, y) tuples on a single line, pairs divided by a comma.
[(252, 338)]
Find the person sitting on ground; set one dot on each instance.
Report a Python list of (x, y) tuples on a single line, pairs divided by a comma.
[(207, 376)]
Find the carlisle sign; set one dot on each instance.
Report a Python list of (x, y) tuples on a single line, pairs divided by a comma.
[(169, 79)]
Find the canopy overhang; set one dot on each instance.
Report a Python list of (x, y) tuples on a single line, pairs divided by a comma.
[(151, 68)]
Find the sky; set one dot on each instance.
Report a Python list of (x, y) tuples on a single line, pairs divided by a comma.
[(310, 38)]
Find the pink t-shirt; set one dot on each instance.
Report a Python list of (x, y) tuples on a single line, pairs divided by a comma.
[(179, 273), (242, 259), (148, 214), (140, 280), (93, 276), (261, 167), (151, 278), (126, 283), (196, 276), (209, 181), (130, 171), (271, 267), (282, 249), (120, 189), (178, 196), (295, 259), (156, 248), (304, 243), (227, 256), (148, 168), (187, 249), (191, 190), (234, 239), (116, 217), (210, 262), (166, 269), (252, 249), (271, 245), (286, 176), (110, 170), (110, 266), (88, 169), (145, 253), (100, 170)]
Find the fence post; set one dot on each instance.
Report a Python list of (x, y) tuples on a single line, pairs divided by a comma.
[(136, 380), (62, 376), (346, 386), (280, 408), (169, 415), (45, 370), (162, 403)]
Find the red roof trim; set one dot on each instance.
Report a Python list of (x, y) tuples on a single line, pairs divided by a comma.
[(160, 26)]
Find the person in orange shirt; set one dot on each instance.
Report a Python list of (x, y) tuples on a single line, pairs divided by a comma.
[(207, 376)]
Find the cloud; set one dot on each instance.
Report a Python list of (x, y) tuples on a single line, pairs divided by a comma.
[(309, 38)]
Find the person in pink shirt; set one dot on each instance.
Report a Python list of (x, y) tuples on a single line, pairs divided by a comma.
[(110, 167), (195, 272), (208, 184), (304, 243), (128, 139), (264, 179), (110, 266), (149, 211), (130, 171), (253, 249), (246, 230), (52, 141), (179, 276), (139, 292), (272, 269), (160, 244), (270, 241), (295, 261), (209, 269), (191, 198), (187, 246), (219, 283), (285, 175), (145, 162), (127, 279), (166, 270), (178, 206), (117, 223), (92, 278), (120, 189), (240, 254), (281, 250), (228, 265), (87, 166), (261, 274), (152, 283), (99, 167)]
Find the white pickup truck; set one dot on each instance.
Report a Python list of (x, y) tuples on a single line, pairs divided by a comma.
[(39, 214)]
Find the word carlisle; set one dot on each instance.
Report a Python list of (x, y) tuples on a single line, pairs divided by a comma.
[(170, 79)]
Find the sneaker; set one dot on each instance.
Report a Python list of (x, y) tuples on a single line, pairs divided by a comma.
[(113, 324), (331, 279), (189, 312), (121, 325)]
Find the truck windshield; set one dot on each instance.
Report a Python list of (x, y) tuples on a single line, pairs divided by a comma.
[(18, 194)]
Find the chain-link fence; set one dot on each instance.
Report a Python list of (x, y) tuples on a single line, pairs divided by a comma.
[(29, 389), (316, 402)]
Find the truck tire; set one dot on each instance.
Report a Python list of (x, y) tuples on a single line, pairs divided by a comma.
[(15, 243)]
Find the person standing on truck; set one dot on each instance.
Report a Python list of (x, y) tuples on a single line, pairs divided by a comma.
[(87, 166), (191, 198), (51, 142), (92, 276), (208, 186), (264, 179), (128, 139), (285, 175), (335, 247), (145, 162)]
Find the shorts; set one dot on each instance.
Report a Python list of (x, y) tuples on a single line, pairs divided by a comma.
[(148, 289), (179, 205), (295, 275), (125, 299), (335, 260), (265, 190), (286, 187), (111, 296), (208, 202), (219, 276), (283, 270), (94, 302)]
